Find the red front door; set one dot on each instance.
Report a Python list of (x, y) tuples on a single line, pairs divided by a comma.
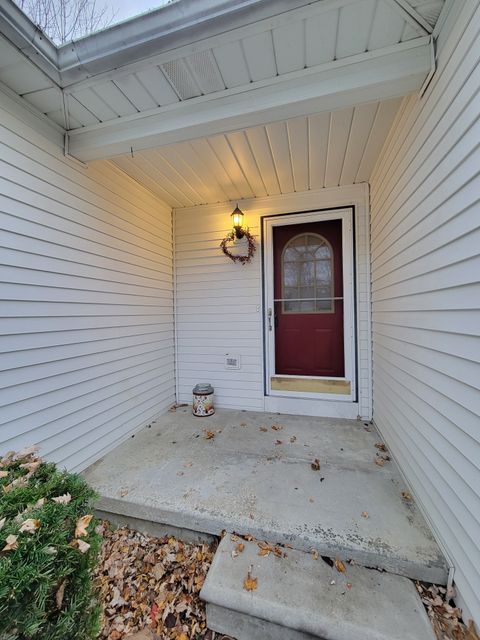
[(308, 291)]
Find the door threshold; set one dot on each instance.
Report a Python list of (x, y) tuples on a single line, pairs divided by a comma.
[(311, 385)]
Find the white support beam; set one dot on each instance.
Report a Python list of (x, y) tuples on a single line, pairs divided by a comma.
[(391, 72)]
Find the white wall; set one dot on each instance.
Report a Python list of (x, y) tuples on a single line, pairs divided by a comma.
[(219, 303), (86, 327), (425, 208)]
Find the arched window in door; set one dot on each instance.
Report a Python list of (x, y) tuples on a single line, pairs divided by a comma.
[(307, 275)]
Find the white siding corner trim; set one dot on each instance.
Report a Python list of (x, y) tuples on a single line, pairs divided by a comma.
[(425, 208), (219, 303), (86, 327)]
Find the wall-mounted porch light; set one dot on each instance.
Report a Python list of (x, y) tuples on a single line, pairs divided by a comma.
[(237, 220)]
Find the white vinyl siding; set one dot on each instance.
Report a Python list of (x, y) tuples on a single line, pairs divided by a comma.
[(425, 226), (86, 327), (219, 303)]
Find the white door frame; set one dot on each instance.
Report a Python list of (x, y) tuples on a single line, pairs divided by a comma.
[(269, 223)]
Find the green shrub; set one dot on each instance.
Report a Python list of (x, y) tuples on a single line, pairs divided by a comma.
[(46, 555)]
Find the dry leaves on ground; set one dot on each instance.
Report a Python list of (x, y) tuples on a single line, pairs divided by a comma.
[(250, 583), (316, 465), (266, 548), (339, 566), (152, 584), (446, 619), (381, 460)]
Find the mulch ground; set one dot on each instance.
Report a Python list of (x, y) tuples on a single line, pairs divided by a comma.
[(150, 587)]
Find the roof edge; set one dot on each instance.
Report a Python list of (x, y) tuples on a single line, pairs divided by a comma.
[(17, 27), (180, 23)]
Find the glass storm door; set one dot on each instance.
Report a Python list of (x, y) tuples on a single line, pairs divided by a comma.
[(308, 299)]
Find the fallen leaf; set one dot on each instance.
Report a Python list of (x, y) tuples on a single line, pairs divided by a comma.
[(264, 429), (471, 631), (158, 571), (349, 585), (64, 499), (250, 583), (11, 543), (83, 546), (82, 525), (380, 462), (240, 547), (316, 465), (365, 514), (243, 424), (39, 503), (278, 442), (293, 439), (314, 553), (339, 566), (380, 446), (407, 496), (30, 526), (209, 434), (60, 593), (3, 474), (233, 537), (26, 452), (264, 552), (31, 467), (154, 613)]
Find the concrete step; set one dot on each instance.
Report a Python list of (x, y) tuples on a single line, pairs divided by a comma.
[(299, 597), (243, 480)]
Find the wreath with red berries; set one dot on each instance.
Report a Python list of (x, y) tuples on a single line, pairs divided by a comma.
[(243, 259)]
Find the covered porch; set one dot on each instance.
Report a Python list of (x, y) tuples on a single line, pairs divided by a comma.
[(124, 155), (251, 473)]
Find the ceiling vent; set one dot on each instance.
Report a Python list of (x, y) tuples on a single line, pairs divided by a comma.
[(181, 79), (206, 72)]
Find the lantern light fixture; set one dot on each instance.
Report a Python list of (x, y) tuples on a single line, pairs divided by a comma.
[(237, 216)]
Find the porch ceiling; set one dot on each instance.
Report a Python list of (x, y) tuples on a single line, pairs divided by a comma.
[(153, 80), (325, 150)]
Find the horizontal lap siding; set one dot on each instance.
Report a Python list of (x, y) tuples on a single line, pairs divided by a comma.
[(86, 322), (219, 303), (425, 226), (218, 311)]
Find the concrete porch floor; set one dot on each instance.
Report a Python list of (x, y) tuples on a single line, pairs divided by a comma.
[(249, 480)]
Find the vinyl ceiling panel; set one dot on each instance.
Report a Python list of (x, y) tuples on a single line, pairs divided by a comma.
[(324, 150)]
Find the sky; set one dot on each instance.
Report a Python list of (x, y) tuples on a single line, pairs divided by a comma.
[(125, 9)]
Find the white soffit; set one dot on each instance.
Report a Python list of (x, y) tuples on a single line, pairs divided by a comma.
[(191, 90), (324, 150), (299, 39)]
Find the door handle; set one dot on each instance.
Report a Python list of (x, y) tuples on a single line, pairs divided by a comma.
[(269, 316)]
